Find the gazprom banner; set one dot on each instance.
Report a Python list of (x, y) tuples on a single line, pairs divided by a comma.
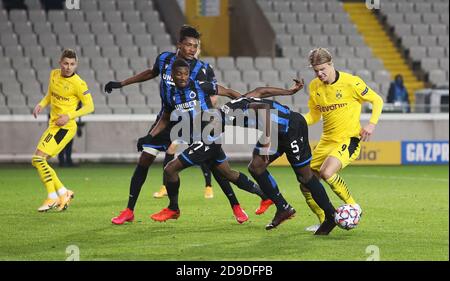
[(372, 153), (395, 153), (424, 152)]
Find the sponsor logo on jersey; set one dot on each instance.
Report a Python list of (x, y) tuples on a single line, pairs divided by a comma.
[(186, 106), (338, 95), (330, 107), (168, 79), (60, 98)]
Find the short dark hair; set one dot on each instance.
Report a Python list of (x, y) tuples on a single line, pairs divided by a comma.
[(180, 63), (188, 31), (69, 53)]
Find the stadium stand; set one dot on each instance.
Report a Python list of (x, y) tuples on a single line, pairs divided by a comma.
[(116, 39)]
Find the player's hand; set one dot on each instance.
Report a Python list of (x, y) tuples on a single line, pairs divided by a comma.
[(37, 109), (367, 131), (297, 86), (62, 120), (144, 140), (112, 85)]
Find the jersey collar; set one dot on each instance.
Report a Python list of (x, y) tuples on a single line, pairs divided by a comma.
[(337, 77)]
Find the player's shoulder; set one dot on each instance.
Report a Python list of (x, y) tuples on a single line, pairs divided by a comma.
[(78, 81), (55, 72), (315, 83), (349, 78), (166, 54)]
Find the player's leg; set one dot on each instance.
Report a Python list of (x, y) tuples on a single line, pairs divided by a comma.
[(225, 185), (339, 158), (207, 175), (237, 178), (258, 169), (171, 171), (170, 155), (320, 153), (159, 143), (306, 177), (51, 143)]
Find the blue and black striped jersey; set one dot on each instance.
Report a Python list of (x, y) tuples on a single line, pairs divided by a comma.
[(199, 71), (279, 115), (191, 102)]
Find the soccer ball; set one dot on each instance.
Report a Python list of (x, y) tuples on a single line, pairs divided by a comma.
[(348, 216)]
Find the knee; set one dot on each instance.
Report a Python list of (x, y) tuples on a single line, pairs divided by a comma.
[(324, 174), (256, 167), (170, 170), (36, 159), (146, 159)]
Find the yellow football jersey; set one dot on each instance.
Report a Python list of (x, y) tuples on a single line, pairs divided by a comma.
[(64, 94), (339, 105)]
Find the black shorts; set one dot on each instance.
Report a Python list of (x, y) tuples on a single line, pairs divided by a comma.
[(199, 153), (294, 143)]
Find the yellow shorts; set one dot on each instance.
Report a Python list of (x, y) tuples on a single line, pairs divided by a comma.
[(346, 151), (56, 138)]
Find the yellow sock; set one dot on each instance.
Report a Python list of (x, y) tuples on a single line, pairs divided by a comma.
[(59, 186), (44, 171), (339, 187), (313, 206)]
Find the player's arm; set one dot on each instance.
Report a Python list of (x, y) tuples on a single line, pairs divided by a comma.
[(45, 100), (41, 105), (140, 77), (265, 92), (366, 94), (87, 107), (314, 114), (163, 122), (227, 92)]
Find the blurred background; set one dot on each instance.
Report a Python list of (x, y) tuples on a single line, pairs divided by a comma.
[(249, 43)]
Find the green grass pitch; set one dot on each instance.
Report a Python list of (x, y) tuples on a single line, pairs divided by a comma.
[(406, 217)]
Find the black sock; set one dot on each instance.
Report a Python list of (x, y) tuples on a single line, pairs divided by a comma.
[(167, 159), (246, 184), (172, 192), (206, 173), (320, 196), (138, 179), (268, 185), (226, 188)]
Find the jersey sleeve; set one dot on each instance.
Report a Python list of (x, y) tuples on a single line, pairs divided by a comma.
[(314, 114), (46, 100), (155, 68), (210, 75), (209, 88), (364, 93), (85, 97)]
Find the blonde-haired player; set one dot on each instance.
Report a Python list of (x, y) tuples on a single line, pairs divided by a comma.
[(337, 98), (65, 90)]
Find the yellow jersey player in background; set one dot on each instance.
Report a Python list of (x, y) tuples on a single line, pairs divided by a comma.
[(337, 97), (65, 90)]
